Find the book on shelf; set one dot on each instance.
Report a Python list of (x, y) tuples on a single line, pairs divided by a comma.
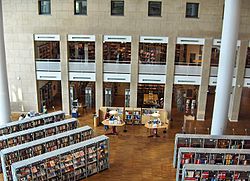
[(41, 146), (71, 162)]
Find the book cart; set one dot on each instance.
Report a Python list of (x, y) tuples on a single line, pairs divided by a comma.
[(41, 146), (73, 162), (192, 172), (133, 115), (21, 137), (209, 141), (32, 122), (211, 156)]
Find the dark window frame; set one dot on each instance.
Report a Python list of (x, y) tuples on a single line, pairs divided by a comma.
[(40, 12), (153, 14), (194, 12), (113, 4), (82, 13)]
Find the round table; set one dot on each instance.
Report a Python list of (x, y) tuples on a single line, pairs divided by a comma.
[(155, 128), (108, 123)]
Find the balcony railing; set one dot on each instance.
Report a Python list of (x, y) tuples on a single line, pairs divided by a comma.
[(116, 68), (82, 60), (82, 66), (188, 70), (49, 65), (150, 69)]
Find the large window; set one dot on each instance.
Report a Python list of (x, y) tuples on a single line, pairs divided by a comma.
[(248, 58), (81, 51), (80, 7), (192, 10), (150, 95), (47, 50), (188, 54), (215, 54), (117, 8), (44, 7), (154, 8), (115, 52), (152, 53)]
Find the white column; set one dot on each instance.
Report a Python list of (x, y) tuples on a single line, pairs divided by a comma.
[(4, 91), (226, 64), (86, 52)]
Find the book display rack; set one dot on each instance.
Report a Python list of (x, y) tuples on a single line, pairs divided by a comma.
[(215, 172), (32, 122), (210, 156), (21, 137), (41, 146), (73, 162), (209, 141), (133, 115), (147, 112)]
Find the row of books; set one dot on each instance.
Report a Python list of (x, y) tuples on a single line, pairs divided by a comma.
[(73, 162)]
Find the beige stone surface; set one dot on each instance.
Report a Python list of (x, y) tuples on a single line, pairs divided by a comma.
[(21, 21)]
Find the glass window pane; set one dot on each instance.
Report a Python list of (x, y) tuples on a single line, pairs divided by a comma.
[(152, 53), (47, 50), (192, 10), (248, 58), (154, 8), (117, 8), (81, 51), (44, 7), (116, 52), (81, 7), (188, 54)]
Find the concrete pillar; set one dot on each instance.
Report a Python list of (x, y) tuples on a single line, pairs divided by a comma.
[(99, 72), (225, 71), (4, 90), (168, 92), (64, 74), (205, 71), (86, 52), (134, 70), (234, 107)]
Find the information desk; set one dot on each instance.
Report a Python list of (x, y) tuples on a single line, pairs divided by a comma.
[(108, 123), (154, 128)]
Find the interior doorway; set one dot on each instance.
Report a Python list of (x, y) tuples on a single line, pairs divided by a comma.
[(116, 94), (49, 95), (82, 95)]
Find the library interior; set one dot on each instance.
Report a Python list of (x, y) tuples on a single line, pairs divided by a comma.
[(140, 90)]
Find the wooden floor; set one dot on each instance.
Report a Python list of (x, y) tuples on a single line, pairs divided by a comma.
[(135, 157)]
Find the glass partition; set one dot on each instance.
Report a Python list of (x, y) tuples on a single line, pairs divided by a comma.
[(188, 54), (47, 51), (117, 52), (152, 53), (81, 51)]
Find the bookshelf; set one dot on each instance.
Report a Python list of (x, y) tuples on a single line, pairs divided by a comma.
[(21, 137), (210, 156), (133, 115), (209, 141), (27, 123), (74, 162), (41, 146), (215, 172), (103, 111)]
